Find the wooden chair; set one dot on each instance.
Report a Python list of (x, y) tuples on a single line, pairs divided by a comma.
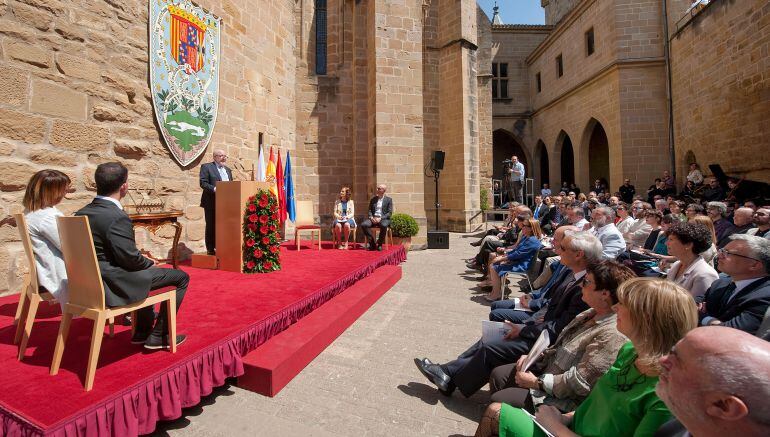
[(305, 221), (86, 294), (351, 235), (534, 267), (388, 236)]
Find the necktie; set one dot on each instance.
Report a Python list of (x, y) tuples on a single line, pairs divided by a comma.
[(727, 295)]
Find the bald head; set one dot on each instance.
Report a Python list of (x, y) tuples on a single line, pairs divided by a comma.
[(716, 380), (743, 216), (220, 157)]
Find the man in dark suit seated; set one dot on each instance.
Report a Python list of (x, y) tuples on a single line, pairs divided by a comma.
[(471, 370), (380, 210), (716, 381), (128, 276), (739, 301), (210, 174)]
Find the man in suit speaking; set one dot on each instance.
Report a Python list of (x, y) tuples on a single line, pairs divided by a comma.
[(210, 174), (380, 210), (128, 276)]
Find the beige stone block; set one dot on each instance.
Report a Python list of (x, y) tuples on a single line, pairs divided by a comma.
[(193, 213), (13, 86), (195, 231), (134, 149), (28, 53), (166, 186), (53, 6), (54, 99), (16, 30), (74, 66), (79, 137), (111, 113), (15, 175), (22, 127), (35, 17), (58, 158), (6, 149), (70, 31)]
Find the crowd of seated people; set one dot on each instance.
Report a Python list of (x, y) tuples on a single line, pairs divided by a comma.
[(632, 291)]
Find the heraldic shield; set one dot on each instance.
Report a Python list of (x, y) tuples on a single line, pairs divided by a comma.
[(184, 75)]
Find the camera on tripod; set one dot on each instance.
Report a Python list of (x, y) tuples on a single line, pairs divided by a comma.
[(507, 163)]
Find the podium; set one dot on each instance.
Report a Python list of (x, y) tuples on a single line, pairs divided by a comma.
[(231, 201)]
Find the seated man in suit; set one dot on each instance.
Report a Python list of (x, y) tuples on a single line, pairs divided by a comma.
[(740, 301), (716, 381), (210, 174), (603, 226), (128, 276), (471, 370), (380, 210)]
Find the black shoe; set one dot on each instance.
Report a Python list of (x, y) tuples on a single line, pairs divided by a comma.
[(435, 374), (140, 337), (155, 342), (473, 266), (476, 244), (126, 320)]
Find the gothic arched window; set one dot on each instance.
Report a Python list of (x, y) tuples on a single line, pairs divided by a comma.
[(320, 36)]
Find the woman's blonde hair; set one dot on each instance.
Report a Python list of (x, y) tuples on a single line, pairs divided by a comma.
[(661, 314), (535, 226), (706, 221), (45, 188), (345, 194), (582, 197)]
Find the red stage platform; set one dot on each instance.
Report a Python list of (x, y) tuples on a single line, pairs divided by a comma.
[(225, 315)]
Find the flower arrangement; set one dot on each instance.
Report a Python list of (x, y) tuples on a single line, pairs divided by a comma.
[(260, 234)]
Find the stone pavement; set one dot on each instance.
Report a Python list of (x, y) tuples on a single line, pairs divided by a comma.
[(365, 383)]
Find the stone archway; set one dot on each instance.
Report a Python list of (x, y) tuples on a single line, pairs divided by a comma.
[(566, 153), (541, 156), (505, 145), (598, 154)]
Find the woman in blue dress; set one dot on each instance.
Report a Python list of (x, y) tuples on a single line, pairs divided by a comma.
[(517, 259), (344, 212)]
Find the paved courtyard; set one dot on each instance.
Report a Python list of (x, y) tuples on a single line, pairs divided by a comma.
[(365, 383)]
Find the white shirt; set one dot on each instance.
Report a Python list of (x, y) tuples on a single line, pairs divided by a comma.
[(115, 201), (625, 224), (49, 261), (581, 224), (518, 171), (222, 172), (378, 207), (545, 192)]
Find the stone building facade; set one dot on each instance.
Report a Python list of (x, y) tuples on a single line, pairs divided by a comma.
[(590, 88), (402, 78)]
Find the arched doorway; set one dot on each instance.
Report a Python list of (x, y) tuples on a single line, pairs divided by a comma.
[(542, 157), (505, 145), (567, 160), (598, 154)]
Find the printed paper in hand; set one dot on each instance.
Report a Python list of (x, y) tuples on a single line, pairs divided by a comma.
[(541, 344), (547, 433), (494, 331), (518, 306)]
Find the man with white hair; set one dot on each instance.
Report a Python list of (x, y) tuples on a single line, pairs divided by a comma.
[(716, 381), (577, 217), (380, 210), (740, 300), (717, 211), (603, 227), (471, 370), (743, 219), (210, 174)]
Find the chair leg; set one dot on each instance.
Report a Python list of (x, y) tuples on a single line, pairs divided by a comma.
[(319, 239), (171, 313), (111, 323), (20, 308), (61, 340), (296, 238), (133, 323), (93, 353), (22, 311), (34, 301)]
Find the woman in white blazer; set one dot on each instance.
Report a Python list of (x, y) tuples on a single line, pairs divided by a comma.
[(45, 190), (344, 213), (685, 242)]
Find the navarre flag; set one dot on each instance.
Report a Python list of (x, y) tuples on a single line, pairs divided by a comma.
[(288, 184), (270, 174), (260, 176), (281, 189)]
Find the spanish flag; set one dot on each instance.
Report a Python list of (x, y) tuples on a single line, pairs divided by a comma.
[(270, 174)]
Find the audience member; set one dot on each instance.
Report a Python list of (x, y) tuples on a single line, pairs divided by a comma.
[(380, 210), (537, 207), (654, 314), (627, 191), (545, 191), (344, 218), (548, 216), (741, 299), (128, 275), (516, 260), (45, 190), (639, 231), (577, 217), (496, 232), (624, 219), (743, 219), (710, 254), (713, 192), (656, 189), (729, 395), (694, 209), (653, 218), (689, 192), (695, 176), (717, 211), (762, 221), (685, 242), (676, 208), (669, 182), (604, 229)]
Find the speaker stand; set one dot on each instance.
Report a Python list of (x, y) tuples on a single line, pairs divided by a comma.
[(437, 239)]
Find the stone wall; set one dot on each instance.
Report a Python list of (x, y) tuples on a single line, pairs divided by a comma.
[(721, 88), (73, 94)]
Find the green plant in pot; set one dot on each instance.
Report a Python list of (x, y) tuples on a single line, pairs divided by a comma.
[(404, 227)]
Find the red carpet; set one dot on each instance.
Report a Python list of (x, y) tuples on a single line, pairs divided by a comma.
[(225, 315)]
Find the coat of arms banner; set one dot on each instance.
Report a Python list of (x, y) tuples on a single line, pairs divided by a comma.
[(184, 75)]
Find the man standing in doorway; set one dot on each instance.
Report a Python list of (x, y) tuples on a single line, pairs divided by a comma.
[(517, 179), (210, 174)]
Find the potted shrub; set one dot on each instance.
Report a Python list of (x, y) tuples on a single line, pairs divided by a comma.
[(404, 227)]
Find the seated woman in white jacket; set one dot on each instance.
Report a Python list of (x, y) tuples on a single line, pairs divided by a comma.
[(344, 221), (685, 242), (45, 190)]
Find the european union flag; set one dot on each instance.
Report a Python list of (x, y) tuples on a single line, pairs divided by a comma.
[(288, 183)]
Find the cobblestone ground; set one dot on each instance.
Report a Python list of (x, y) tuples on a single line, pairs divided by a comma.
[(365, 383)]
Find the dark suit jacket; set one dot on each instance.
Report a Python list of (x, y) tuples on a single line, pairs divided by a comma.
[(672, 428), (747, 308), (124, 269), (546, 217), (209, 175), (387, 209), (565, 304)]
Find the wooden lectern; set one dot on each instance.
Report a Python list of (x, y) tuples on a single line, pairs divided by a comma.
[(230, 206)]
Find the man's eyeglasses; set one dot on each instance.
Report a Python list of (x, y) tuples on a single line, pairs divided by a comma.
[(725, 253)]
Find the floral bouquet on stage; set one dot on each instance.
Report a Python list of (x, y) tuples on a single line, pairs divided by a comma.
[(260, 234)]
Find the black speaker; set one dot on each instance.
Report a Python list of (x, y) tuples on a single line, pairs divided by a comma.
[(438, 240), (437, 160)]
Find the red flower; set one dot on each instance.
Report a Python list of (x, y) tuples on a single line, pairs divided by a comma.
[(253, 218), (263, 219), (250, 242), (252, 227), (252, 207), (275, 216), (274, 207), (272, 228), (273, 249), (251, 198), (262, 203), (258, 253), (250, 265), (265, 240), (267, 265), (263, 230), (264, 197)]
